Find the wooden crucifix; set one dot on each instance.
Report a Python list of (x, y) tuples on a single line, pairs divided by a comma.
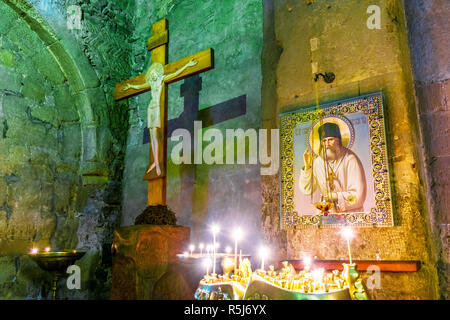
[(158, 76)]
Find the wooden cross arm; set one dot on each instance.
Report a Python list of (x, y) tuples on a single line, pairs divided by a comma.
[(120, 94), (205, 60)]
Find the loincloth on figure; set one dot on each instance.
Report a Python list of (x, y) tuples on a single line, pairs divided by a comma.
[(153, 117)]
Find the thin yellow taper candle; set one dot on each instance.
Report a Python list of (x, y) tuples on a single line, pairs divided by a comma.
[(237, 235), (347, 232), (215, 230), (349, 252)]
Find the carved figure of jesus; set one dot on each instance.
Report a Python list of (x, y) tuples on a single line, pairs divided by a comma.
[(155, 78)]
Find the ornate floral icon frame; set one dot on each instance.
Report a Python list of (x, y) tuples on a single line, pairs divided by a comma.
[(380, 214)]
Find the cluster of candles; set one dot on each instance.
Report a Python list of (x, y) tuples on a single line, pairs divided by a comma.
[(306, 280), (211, 249)]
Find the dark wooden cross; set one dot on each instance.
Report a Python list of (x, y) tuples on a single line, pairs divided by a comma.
[(158, 44)]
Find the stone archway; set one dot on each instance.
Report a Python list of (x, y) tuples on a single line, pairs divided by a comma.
[(55, 144), (83, 83)]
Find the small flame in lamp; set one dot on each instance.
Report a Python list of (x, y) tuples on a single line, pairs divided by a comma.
[(47, 249), (34, 251), (227, 266)]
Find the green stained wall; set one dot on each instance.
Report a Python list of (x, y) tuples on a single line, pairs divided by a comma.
[(40, 151), (62, 141), (207, 193)]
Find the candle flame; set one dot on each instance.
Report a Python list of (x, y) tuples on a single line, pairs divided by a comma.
[(347, 233), (263, 251), (47, 249), (307, 261), (207, 263), (215, 229), (34, 251), (237, 234)]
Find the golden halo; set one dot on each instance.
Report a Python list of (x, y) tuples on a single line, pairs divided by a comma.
[(345, 127)]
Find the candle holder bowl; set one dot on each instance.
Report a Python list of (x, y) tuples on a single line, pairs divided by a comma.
[(56, 263)]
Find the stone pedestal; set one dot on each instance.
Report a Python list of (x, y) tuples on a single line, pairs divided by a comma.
[(144, 258)]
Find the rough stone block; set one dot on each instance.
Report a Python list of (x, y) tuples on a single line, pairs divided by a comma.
[(14, 106), (46, 114), (7, 58), (69, 54), (142, 256), (71, 141), (437, 133), (10, 80), (64, 104), (48, 67), (440, 168), (433, 97), (8, 18), (26, 39), (19, 153), (34, 88)]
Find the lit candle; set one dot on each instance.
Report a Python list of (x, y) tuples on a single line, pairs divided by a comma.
[(228, 249), (227, 265), (347, 232), (34, 251), (306, 263), (263, 252), (237, 236), (191, 248), (318, 275), (47, 249), (201, 249), (215, 229)]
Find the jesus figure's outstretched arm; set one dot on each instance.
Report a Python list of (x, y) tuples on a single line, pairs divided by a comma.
[(136, 86), (191, 63)]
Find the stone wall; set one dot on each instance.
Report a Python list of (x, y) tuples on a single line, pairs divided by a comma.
[(364, 61), (429, 35), (62, 140)]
